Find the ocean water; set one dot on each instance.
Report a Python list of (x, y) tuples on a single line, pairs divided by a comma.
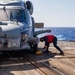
[(62, 33)]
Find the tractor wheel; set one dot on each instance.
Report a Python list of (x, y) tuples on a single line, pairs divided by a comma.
[(33, 47)]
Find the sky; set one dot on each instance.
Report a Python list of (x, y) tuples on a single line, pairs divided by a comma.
[(54, 13)]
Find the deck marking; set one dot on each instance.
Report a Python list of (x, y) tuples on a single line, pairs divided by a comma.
[(54, 69)]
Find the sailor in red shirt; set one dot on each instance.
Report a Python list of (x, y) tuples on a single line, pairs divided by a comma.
[(50, 39)]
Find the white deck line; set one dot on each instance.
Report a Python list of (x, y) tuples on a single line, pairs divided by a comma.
[(54, 69)]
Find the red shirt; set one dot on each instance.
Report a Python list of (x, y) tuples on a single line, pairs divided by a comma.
[(50, 38)]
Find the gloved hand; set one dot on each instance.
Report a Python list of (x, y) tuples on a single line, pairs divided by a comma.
[(45, 47)]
